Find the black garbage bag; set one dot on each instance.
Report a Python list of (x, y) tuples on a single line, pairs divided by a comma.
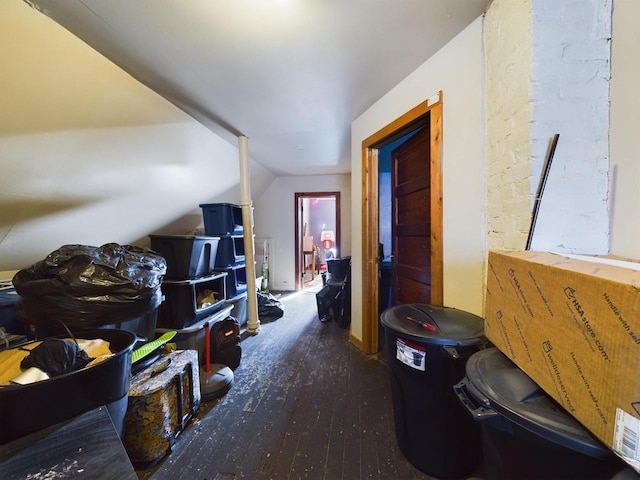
[(85, 286), (56, 356), (269, 306)]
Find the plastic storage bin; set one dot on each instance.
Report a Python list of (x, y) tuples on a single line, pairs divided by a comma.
[(525, 433), (8, 320), (38, 405), (236, 279), (230, 251), (239, 305), (142, 326), (425, 361), (188, 301), (222, 219), (187, 256)]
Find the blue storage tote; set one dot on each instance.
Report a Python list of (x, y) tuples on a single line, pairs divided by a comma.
[(239, 307), (236, 279), (222, 218), (187, 301), (15, 330), (187, 256), (230, 251)]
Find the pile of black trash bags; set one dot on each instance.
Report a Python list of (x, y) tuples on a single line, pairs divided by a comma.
[(269, 307), (82, 286)]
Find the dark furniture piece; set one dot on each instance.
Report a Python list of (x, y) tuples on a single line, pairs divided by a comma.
[(334, 299), (86, 445)]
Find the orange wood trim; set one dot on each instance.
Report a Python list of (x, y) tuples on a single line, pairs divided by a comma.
[(398, 127), (370, 249), (356, 342), (437, 274), (370, 266), (297, 284)]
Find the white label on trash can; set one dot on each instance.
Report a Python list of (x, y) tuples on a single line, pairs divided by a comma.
[(411, 355), (626, 442)]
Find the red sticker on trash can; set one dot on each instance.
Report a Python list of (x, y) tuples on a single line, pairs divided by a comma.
[(410, 354)]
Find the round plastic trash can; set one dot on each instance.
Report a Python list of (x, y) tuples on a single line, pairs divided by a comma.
[(627, 474), (428, 347), (525, 433)]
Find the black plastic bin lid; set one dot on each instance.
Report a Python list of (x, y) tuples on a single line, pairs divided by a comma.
[(496, 382), (440, 325)]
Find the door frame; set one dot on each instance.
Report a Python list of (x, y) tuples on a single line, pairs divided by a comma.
[(428, 111), (298, 240)]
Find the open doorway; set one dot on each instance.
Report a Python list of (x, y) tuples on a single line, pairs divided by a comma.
[(427, 118), (403, 216), (317, 235)]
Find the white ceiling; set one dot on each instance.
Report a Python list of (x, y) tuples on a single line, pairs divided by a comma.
[(290, 75)]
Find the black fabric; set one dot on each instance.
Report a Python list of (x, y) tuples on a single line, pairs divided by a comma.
[(225, 343), (87, 286), (269, 306), (55, 356)]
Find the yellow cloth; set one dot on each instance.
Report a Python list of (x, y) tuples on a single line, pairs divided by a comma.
[(10, 359)]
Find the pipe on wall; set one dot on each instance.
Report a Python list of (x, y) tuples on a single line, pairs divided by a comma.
[(253, 323)]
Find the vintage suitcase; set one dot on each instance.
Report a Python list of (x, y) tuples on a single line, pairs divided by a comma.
[(225, 343), (162, 399)]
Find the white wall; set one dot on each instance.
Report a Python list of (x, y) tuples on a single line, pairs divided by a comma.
[(274, 219), (571, 71), (547, 72), (89, 155), (457, 70), (565, 45), (585, 72), (508, 112), (625, 130)]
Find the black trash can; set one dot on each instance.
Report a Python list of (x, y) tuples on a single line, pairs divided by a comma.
[(426, 360), (525, 433), (627, 473), (334, 299)]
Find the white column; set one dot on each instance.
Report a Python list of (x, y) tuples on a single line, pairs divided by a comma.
[(253, 323)]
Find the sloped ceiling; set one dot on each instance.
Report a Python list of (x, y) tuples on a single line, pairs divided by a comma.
[(290, 75)]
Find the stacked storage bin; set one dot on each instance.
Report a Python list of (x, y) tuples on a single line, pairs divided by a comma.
[(12, 331), (193, 290), (224, 220)]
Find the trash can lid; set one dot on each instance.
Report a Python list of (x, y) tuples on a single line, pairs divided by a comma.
[(496, 382), (434, 324)]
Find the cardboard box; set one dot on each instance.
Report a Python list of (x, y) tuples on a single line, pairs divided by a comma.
[(572, 323)]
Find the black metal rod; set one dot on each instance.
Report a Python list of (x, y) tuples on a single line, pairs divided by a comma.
[(543, 181)]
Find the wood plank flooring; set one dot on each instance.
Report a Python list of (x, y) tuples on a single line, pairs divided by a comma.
[(304, 404)]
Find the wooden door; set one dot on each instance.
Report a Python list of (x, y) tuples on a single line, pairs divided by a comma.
[(428, 112), (411, 220)]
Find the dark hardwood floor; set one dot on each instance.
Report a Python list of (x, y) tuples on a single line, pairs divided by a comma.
[(305, 403)]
